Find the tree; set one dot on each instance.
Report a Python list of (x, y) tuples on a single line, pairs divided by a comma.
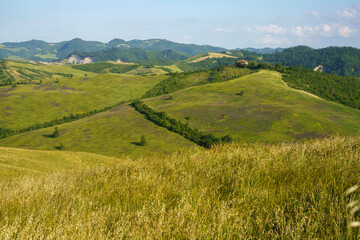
[(56, 133), (142, 141)]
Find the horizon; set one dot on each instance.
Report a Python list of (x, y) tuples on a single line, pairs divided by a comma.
[(230, 24), (106, 42)]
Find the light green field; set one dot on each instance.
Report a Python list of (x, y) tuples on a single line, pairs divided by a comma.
[(244, 191), (29, 104), (113, 133), (258, 107), (47, 56), (15, 162)]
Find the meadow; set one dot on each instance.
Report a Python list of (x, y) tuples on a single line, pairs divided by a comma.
[(112, 133), (28, 104), (257, 107), (236, 191)]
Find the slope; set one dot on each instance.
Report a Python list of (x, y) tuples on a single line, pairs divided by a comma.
[(257, 107), (239, 191), (15, 162), (112, 133), (56, 97)]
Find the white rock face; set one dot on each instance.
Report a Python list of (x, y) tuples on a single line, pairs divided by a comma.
[(75, 59)]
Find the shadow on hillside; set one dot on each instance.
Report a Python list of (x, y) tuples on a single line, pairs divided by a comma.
[(136, 143), (48, 135)]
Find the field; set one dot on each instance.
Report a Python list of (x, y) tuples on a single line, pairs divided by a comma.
[(113, 133), (207, 56), (18, 162), (238, 191), (258, 107), (28, 104)]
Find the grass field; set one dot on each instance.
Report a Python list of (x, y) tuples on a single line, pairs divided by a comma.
[(33, 103), (258, 107), (113, 133), (17, 162), (207, 56), (245, 191)]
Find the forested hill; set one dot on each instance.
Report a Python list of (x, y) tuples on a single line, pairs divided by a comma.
[(43, 51), (343, 61), (133, 55)]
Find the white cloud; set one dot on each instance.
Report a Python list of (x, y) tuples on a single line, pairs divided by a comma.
[(271, 40), (224, 30), (345, 31), (186, 37), (347, 13), (301, 31), (272, 28)]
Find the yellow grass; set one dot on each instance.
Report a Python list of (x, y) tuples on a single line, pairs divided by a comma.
[(212, 55)]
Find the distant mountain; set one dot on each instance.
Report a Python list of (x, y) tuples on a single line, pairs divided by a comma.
[(64, 49), (264, 50), (343, 61), (133, 55), (42, 51), (161, 44)]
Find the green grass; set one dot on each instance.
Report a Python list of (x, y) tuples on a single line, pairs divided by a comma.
[(28, 104), (245, 191), (258, 107), (113, 133)]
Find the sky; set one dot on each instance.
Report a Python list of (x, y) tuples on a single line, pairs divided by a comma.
[(227, 23)]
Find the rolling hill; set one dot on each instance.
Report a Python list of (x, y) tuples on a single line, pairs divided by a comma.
[(56, 97), (257, 107), (113, 133)]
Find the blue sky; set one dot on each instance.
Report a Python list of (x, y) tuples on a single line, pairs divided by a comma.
[(225, 23)]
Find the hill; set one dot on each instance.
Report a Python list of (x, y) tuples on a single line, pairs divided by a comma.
[(162, 44), (343, 61), (257, 107), (37, 50), (239, 191), (112, 133), (58, 96)]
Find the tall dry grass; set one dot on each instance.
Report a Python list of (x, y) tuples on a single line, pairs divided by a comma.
[(238, 191)]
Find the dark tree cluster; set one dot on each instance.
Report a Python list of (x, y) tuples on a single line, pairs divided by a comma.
[(161, 119)]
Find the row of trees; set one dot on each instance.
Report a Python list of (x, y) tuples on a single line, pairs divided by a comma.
[(161, 119), (5, 132)]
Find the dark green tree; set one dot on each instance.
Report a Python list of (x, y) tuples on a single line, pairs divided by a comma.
[(142, 141), (56, 133)]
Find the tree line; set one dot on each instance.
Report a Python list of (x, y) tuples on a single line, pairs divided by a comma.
[(6, 132), (163, 120)]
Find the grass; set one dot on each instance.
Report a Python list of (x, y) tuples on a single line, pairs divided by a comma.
[(113, 133), (209, 55), (18, 162), (29, 104), (258, 107), (238, 191)]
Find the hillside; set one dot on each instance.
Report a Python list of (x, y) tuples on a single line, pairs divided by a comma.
[(239, 191), (56, 97), (257, 107), (37, 50), (112, 133), (18, 162), (343, 61)]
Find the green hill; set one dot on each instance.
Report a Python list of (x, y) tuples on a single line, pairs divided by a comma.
[(112, 133), (56, 97), (257, 107), (239, 191), (343, 61)]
